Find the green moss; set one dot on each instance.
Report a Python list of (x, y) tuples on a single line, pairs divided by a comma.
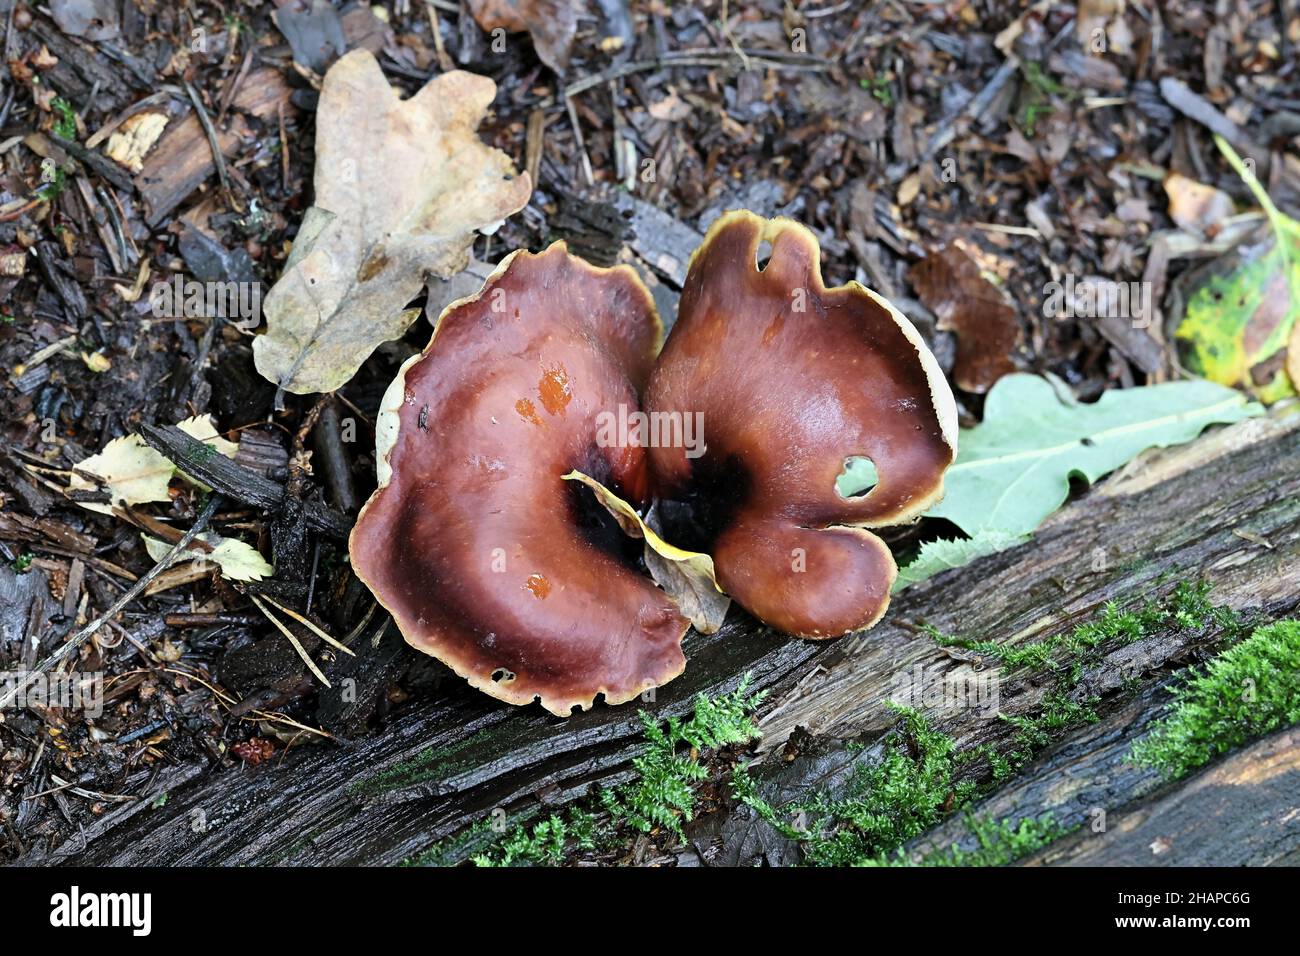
[(65, 127), (1247, 691), (65, 119), (1036, 95), (1187, 607), (546, 843), (661, 794), (1036, 731), (998, 843), (1000, 767), (745, 789), (448, 852), (878, 86), (883, 805), (893, 801)]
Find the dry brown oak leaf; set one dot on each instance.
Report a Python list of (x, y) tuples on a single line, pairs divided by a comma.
[(950, 285), (551, 23), (401, 187)]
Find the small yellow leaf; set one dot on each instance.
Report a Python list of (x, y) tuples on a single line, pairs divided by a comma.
[(687, 576), (96, 361), (132, 472), (238, 561)]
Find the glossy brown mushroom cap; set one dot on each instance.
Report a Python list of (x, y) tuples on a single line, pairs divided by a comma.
[(793, 379), (485, 556)]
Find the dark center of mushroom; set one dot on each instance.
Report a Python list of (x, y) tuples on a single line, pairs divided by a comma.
[(596, 525), (719, 487)]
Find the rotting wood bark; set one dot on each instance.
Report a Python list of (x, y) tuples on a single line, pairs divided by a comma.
[(200, 461), (183, 159), (1240, 811), (447, 762)]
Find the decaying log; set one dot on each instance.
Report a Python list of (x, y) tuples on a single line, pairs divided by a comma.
[(1225, 509), (1242, 811)]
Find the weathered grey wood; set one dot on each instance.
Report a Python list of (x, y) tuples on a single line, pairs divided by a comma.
[(1241, 811), (1173, 517), (200, 460)]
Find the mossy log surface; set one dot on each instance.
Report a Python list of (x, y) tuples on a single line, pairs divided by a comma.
[(1224, 509)]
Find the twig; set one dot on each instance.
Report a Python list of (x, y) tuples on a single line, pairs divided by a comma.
[(235, 481), (284, 150), (763, 59), (533, 144), (75, 642), (9, 100), (19, 210), (975, 108), (444, 59), (356, 631), (327, 441), (305, 622), (228, 95), (9, 30), (218, 160), (1178, 95), (297, 646), (731, 38), (230, 702), (101, 165), (577, 135)]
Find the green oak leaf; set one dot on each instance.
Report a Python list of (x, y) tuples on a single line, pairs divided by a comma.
[(1014, 468), (948, 553)]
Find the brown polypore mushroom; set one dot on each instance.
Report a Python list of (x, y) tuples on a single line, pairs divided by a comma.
[(793, 380), (485, 556)]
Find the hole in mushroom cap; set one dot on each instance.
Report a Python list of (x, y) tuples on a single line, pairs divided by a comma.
[(501, 675), (763, 255), (858, 478)]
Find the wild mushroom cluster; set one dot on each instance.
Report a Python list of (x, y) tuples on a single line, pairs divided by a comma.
[(529, 585)]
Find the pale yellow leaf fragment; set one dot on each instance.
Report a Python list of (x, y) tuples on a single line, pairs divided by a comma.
[(131, 142), (237, 560), (132, 472), (687, 576)]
